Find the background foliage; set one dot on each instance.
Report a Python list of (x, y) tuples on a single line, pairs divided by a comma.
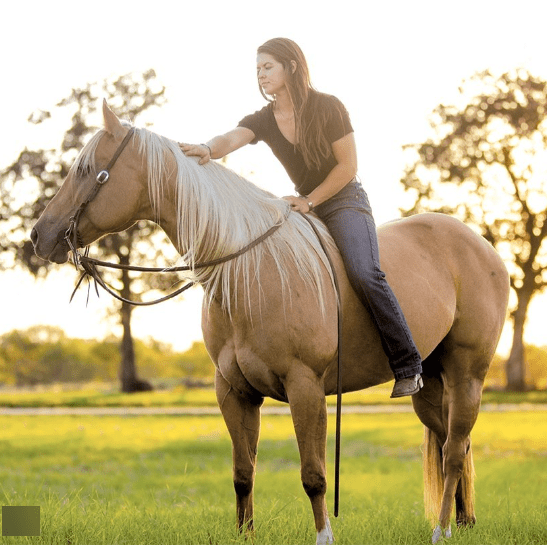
[(44, 355)]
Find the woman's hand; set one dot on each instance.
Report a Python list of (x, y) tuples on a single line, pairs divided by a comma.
[(197, 150), (299, 204)]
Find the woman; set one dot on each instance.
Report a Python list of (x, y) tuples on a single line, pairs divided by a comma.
[(311, 134)]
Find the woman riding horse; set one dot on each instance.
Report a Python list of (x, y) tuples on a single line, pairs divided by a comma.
[(311, 134)]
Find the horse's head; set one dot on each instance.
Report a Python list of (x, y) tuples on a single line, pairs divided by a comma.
[(120, 201)]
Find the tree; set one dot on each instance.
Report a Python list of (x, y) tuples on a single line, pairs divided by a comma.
[(33, 179), (486, 163)]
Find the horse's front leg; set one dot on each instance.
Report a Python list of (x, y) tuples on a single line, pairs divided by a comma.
[(306, 396), (242, 418)]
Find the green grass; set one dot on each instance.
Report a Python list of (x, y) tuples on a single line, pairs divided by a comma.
[(109, 396), (167, 480)]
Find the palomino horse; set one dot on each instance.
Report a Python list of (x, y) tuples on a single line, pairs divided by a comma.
[(267, 315)]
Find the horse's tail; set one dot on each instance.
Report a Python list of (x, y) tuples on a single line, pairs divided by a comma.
[(434, 480), (433, 476)]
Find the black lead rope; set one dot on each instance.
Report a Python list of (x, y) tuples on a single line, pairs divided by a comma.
[(339, 374)]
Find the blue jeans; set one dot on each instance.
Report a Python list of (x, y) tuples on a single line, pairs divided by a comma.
[(348, 217)]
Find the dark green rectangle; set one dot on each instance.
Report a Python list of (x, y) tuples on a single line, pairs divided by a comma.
[(20, 520)]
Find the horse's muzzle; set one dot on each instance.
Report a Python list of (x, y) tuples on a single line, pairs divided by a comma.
[(56, 251)]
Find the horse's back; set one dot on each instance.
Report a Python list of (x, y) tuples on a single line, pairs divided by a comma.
[(435, 257), (441, 247)]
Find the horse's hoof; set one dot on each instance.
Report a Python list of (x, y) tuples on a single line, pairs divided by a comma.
[(438, 532), (467, 523), (325, 536)]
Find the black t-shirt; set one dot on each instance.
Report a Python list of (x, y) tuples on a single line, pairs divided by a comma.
[(264, 127)]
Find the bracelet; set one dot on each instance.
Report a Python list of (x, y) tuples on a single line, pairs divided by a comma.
[(310, 205), (209, 148)]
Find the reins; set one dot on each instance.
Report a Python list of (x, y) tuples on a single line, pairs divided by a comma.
[(89, 266)]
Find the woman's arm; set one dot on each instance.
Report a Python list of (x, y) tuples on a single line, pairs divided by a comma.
[(219, 146), (345, 153)]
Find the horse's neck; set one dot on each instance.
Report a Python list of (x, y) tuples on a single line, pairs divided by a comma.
[(211, 228), (167, 206), (170, 215)]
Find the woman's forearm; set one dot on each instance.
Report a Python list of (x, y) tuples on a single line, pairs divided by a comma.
[(219, 146), (337, 179), (223, 144)]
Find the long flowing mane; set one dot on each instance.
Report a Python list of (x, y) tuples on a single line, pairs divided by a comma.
[(219, 212)]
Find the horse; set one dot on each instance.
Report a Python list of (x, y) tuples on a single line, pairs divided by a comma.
[(267, 314)]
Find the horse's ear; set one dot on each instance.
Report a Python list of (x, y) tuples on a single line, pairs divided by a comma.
[(111, 122)]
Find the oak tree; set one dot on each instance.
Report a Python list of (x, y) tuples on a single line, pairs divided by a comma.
[(32, 180), (486, 163)]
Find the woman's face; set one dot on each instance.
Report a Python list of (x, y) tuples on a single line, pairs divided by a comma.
[(270, 73)]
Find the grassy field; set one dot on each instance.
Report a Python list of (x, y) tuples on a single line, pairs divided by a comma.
[(108, 395), (167, 480)]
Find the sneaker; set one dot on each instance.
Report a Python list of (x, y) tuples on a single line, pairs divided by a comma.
[(407, 386)]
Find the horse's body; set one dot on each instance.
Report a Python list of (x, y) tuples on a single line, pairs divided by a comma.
[(268, 317)]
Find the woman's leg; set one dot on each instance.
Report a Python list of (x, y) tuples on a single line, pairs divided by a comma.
[(349, 219)]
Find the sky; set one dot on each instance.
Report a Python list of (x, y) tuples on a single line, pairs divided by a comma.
[(390, 62)]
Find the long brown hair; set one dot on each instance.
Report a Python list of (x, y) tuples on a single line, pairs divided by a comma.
[(309, 121)]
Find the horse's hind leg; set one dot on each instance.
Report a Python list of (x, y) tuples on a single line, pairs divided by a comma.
[(428, 404), (309, 412), (463, 380), (242, 417), (448, 406)]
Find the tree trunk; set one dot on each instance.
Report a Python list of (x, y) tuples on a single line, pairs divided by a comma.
[(515, 367), (128, 371)]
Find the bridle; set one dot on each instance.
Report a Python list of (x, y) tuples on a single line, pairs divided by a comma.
[(71, 235), (89, 266)]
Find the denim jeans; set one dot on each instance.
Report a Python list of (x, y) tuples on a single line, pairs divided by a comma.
[(348, 217)]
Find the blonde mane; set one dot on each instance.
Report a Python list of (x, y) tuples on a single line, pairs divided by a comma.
[(220, 212)]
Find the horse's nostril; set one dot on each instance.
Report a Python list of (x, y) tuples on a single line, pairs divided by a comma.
[(34, 236)]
